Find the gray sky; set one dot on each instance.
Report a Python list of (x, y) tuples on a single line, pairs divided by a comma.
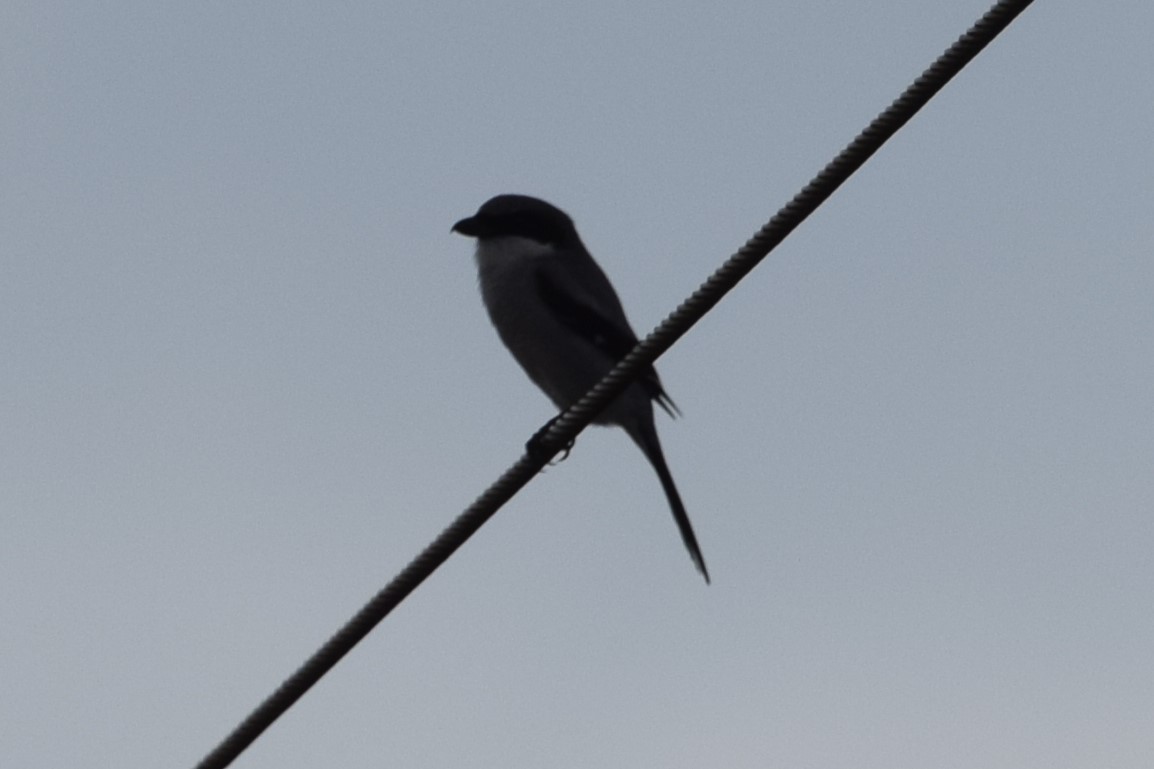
[(247, 376)]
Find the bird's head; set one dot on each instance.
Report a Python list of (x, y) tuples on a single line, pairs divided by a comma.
[(519, 216)]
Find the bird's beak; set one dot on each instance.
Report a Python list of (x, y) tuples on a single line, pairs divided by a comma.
[(469, 226)]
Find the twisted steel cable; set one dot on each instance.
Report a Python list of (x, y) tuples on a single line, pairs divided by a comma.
[(560, 432)]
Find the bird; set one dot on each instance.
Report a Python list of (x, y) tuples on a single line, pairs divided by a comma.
[(556, 311)]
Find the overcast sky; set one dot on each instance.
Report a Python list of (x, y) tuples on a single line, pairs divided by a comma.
[(246, 376)]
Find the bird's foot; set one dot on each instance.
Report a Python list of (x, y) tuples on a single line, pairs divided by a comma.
[(536, 450)]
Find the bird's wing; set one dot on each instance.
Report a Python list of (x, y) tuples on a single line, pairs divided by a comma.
[(604, 328)]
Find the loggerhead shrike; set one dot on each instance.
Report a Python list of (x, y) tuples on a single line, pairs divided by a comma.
[(558, 314)]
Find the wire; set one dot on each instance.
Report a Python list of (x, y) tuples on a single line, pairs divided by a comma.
[(561, 431)]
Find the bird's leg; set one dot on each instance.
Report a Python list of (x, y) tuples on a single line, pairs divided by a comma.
[(535, 449)]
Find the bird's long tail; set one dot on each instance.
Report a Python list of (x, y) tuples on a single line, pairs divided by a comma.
[(644, 435)]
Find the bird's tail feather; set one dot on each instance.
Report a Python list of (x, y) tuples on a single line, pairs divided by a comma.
[(644, 435)]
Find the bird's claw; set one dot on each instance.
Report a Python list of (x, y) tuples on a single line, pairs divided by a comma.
[(564, 453)]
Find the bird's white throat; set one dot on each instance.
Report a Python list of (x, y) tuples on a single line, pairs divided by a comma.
[(495, 253)]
